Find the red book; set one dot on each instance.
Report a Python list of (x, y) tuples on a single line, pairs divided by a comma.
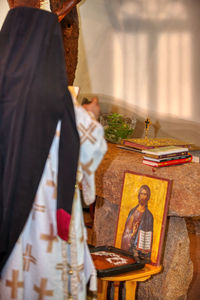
[(167, 163), (136, 145)]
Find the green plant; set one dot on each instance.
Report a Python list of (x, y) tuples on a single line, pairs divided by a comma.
[(117, 128)]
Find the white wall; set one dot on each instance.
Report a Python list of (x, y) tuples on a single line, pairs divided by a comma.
[(143, 56), (3, 10)]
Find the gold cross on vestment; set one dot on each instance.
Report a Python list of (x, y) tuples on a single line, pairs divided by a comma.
[(28, 258), (86, 167), (50, 238), (63, 268), (53, 185), (87, 133), (42, 289), (57, 133), (39, 208), (14, 284)]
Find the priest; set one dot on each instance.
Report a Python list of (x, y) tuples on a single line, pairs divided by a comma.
[(43, 238)]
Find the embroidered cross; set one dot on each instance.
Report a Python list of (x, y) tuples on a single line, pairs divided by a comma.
[(87, 166), (52, 184), (85, 186), (82, 236), (37, 207), (50, 238), (14, 284), (87, 133), (82, 239), (28, 258), (57, 133), (63, 268), (42, 289), (79, 269)]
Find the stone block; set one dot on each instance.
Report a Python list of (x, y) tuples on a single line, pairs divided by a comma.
[(173, 282)]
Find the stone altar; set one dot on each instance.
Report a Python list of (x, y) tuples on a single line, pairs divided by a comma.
[(177, 273)]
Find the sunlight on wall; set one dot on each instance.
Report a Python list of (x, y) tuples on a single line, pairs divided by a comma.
[(132, 71), (152, 57), (3, 11), (118, 65), (140, 53), (143, 55), (163, 74), (130, 83), (186, 72), (174, 69)]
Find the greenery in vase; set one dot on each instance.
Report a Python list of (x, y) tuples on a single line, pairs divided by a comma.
[(117, 128)]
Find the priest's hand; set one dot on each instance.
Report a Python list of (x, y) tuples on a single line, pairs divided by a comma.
[(93, 107)]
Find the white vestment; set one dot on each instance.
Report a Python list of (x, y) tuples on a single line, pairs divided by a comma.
[(41, 265)]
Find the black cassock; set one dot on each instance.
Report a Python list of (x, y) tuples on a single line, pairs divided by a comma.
[(33, 98)]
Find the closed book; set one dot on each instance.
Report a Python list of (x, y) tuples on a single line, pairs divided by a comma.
[(149, 143), (135, 145), (167, 163), (169, 155), (165, 150), (166, 158), (129, 148)]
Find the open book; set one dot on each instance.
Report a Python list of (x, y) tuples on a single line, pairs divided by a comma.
[(144, 240)]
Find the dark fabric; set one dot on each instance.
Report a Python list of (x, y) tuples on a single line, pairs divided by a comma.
[(33, 98)]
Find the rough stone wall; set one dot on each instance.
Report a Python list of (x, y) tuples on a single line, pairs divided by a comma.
[(104, 219), (174, 281)]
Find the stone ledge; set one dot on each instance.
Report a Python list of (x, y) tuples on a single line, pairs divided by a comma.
[(185, 196)]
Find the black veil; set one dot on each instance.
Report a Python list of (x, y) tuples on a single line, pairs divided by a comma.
[(33, 98)]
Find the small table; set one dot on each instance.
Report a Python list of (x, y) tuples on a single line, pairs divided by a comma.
[(130, 279)]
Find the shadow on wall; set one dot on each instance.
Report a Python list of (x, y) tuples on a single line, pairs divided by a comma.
[(161, 125), (164, 62)]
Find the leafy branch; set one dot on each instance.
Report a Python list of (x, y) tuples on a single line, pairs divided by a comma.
[(117, 128)]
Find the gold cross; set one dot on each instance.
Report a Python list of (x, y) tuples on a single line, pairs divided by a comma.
[(52, 184), (42, 289), (57, 133), (87, 166), (37, 207), (14, 284), (63, 268), (87, 133), (28, 258), (50, 238), (147, 125)]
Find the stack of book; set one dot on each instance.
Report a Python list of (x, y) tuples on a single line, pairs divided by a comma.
[(166, 156), (195, 154), (139, 144)]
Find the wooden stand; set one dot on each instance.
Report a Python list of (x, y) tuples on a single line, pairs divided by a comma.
[(130, 279)]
